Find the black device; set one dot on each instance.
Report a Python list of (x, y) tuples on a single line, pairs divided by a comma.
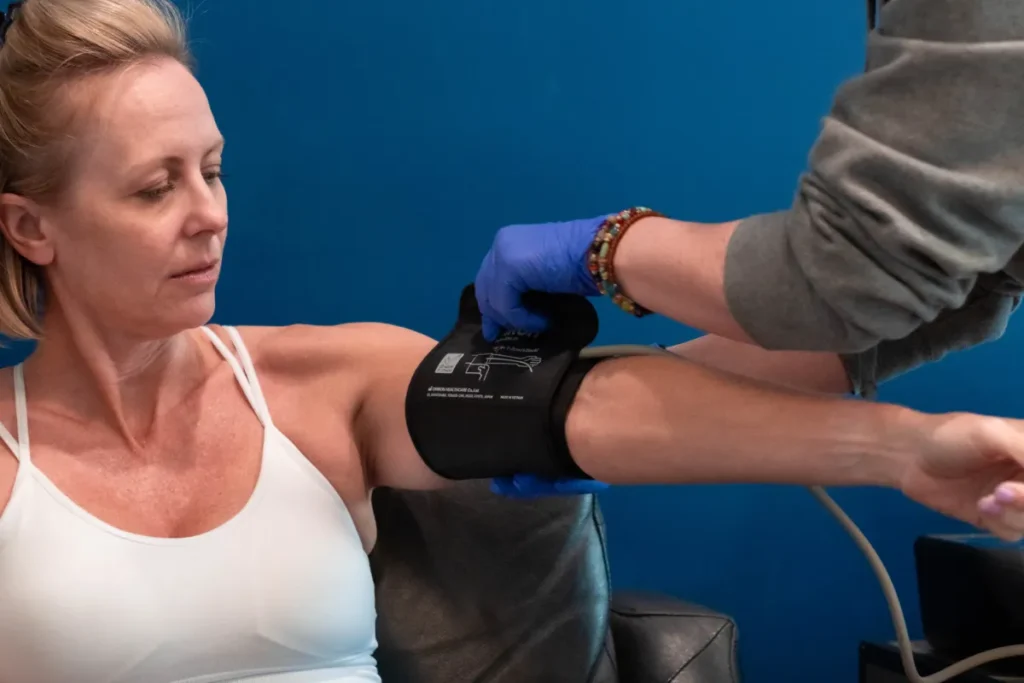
[(477, 409), (881, 663), (971, 592)]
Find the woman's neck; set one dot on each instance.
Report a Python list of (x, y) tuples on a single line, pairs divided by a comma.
[(100, 374)]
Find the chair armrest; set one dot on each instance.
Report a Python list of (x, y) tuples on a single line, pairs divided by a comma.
[(659, 639)]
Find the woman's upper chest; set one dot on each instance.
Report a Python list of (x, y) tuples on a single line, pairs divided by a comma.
[(197, 467), (200, 465)]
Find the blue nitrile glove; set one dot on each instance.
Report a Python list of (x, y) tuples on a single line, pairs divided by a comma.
[(545, 257), (530, 486)]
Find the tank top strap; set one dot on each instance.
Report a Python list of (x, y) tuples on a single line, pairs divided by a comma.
[(21, 408), (251, 390), (250, 370), (19, 446)]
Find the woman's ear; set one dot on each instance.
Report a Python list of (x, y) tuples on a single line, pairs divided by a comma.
[(21, 221)]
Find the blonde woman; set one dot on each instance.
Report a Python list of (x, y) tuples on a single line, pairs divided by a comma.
[(187, 503)]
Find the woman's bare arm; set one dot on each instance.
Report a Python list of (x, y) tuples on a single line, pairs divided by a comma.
[(649, 419), (664, 420), (387, 357), (356, 376)]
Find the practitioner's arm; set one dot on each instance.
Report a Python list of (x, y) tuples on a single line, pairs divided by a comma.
[(912, 194), (804, 370), (983, 318)]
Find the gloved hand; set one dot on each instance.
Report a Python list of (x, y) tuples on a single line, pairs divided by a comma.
[(529, 486), (547, 257)]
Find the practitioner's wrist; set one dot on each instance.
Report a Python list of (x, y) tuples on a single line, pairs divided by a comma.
[(603, 259)]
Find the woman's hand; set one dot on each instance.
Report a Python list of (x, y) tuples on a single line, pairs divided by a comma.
[(972, 469)]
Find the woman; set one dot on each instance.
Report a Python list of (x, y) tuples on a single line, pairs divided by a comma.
[(182, 502), (903, 242)]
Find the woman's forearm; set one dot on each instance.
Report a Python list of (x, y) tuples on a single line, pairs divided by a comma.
[(664, 420)]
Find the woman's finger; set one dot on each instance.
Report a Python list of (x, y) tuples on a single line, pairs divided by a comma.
[(1004, 520)]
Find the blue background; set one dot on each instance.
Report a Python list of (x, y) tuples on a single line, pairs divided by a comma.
[(374, 147)]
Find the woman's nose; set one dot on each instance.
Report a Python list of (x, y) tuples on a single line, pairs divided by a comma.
[(210, 210)]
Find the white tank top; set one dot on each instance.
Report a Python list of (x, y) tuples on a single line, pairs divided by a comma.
[(281, 593)]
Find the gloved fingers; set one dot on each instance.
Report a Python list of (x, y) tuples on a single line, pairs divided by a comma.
[(492, 321), (491, 327), (505, 301), (530, 486), (579, 486), (521, 319), (523, 487), (500, 303), (508, 487), (504, 486)]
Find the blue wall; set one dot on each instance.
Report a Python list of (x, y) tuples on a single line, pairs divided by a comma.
[(374, 147)]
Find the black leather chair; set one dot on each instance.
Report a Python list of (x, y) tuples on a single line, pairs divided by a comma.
[(476, 588)]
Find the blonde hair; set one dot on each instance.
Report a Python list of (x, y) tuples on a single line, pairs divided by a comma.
[(50, 45)]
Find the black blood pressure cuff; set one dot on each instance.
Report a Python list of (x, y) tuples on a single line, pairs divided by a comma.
[(478, 410)]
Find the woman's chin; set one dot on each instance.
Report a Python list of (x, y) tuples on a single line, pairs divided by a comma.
[(187, 316)]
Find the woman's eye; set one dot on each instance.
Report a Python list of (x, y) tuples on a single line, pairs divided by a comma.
[(156, 193)]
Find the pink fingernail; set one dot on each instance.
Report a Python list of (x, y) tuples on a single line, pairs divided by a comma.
[(990, 506), (1005, 493)]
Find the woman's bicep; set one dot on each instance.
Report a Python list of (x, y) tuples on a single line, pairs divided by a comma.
[(389, 356), (339, 392)]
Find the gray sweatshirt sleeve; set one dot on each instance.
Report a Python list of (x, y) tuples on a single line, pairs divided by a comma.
[(982, 318), (915, 187)]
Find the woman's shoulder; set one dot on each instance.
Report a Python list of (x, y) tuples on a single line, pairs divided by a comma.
[(298, 350), (342, 361), (325, 384)]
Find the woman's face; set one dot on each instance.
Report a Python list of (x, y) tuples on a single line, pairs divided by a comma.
[(135, 240)]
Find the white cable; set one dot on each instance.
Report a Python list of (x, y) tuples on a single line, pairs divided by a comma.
[(891, 597)]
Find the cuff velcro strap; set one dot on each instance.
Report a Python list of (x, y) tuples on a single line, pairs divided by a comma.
[(477, 410)]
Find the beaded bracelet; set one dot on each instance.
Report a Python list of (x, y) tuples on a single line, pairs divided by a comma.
[(601, 256)]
